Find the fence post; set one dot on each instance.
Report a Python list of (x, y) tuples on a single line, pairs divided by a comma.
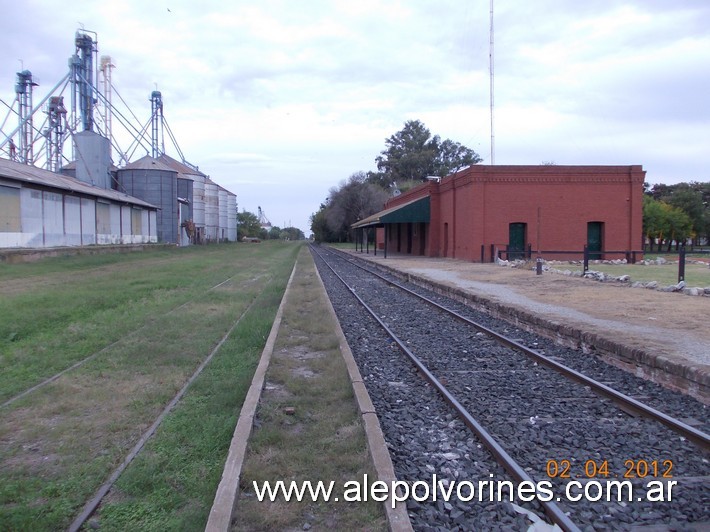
[(493, 253), (681, 264), (483, 252), (586, 259)]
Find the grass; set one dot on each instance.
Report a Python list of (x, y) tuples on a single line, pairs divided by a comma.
[(663, 274), (308, 427), (152, 318)]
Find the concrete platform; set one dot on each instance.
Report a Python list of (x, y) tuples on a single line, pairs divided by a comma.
[(659, 336)]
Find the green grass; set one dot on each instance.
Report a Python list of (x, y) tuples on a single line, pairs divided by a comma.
[(152, 318), (323, 439), (663, 274)]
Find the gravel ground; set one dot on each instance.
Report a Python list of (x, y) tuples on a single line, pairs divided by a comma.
[(538, 421), (668, 324)]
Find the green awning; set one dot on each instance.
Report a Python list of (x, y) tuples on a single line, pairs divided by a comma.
[(415, 211)]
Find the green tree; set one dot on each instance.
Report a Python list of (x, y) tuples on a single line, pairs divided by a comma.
[(319, 225), (654, 222), (680, 226), (274, 233), (292, 233), (692, 198), (351, 201), (248, 225), (413, 153)]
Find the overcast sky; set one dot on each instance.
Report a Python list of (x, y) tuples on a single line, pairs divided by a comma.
[(278, 101)]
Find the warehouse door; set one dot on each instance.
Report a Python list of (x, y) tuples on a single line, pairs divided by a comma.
[(516, 241), (595, 231)]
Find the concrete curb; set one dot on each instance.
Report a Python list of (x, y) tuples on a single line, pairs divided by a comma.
[(220, 518), (397, 517)]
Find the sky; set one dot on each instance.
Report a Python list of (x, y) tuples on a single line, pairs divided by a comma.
[(279, 101)]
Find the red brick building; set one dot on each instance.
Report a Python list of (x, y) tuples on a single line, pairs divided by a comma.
[(518, 211)]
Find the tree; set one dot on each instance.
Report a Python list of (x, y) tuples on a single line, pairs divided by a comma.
[(692, 198), (452, 157), (351, 201), (248, 225), (274, 233), (319, 226), (654, 222), (680, 226), (665, 223), (413, 153)]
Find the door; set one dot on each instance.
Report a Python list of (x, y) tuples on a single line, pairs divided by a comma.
[(516, 241), (595, 231)]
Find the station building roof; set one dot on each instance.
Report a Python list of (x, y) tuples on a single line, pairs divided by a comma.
[(415, 211)]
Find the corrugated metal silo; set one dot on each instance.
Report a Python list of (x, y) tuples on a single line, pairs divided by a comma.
[(198, 206), (232, 217), (211, 210), (156, 183), (222, 234)]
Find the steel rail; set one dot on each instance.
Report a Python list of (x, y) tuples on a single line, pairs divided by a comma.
[(91, 506), (91, 357), (629, 404), (554, 512)]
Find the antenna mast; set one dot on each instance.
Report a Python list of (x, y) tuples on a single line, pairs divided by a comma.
[(490, 57)]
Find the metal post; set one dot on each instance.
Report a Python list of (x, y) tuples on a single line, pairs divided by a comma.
[(483, 252), (681, 264), (386, 237), (538, 265), (493, 253), (586, 259)]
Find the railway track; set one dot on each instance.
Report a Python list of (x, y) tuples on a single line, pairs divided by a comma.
[(547, 424), (105, 349), (126, 346)]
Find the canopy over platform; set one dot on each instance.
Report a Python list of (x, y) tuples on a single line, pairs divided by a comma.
[(415, 211)]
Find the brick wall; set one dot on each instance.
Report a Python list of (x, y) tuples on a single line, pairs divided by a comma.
[(474, 208)]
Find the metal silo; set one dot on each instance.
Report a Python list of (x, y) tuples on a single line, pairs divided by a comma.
[(232, 217), (185, 195), (211, 210), (198, 206), (156, 183), (223, 194), (197, 202)]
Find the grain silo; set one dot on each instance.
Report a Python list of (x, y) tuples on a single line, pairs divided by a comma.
[(156, 183), (232, 217), (211, 211), (198, 207), (222, 194), (197, 199)]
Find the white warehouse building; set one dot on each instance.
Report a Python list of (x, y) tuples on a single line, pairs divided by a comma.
[(42, 209)]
